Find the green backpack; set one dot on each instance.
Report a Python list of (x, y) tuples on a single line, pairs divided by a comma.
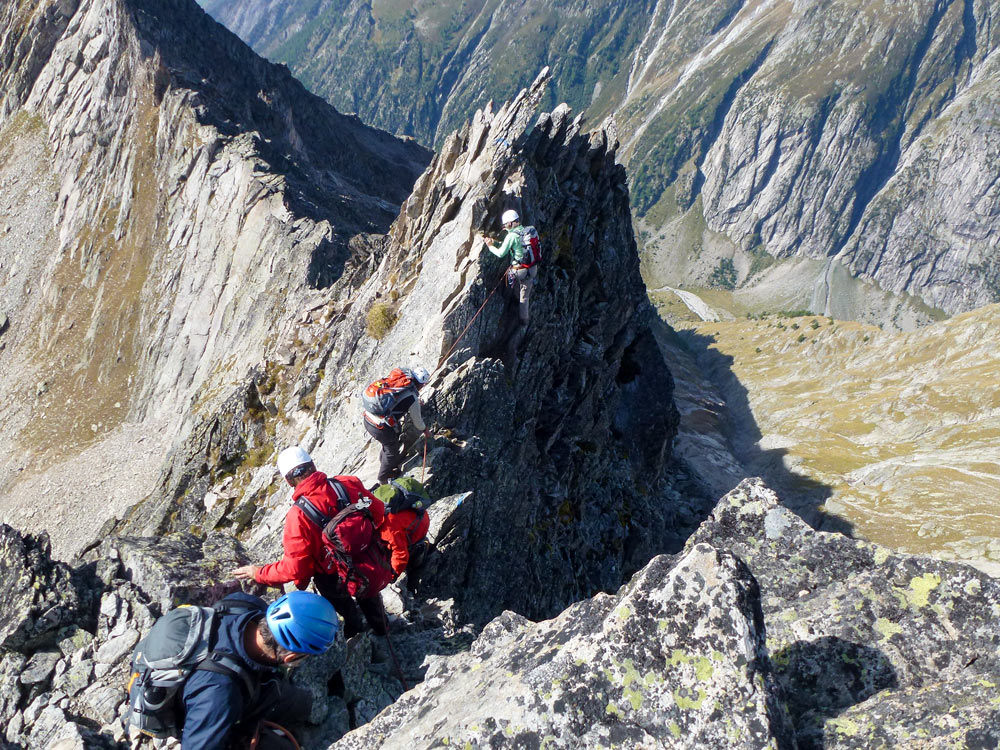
[(405, 493)]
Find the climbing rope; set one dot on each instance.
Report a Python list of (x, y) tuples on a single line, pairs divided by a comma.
[(423, 466), (466, 329)]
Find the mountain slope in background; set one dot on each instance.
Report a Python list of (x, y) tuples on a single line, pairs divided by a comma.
[(789, 148), (168, 199), (901, 429)]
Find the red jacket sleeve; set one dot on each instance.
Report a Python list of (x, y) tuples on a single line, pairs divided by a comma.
[(393, 534), (297, 563)]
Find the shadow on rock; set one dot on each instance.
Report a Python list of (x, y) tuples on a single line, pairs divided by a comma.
[(800, 493), (822, 678)]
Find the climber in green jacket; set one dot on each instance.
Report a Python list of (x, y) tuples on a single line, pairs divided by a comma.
[(523, 247)]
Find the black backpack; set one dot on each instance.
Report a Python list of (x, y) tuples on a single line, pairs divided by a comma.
[(409, 495), (178, 644)]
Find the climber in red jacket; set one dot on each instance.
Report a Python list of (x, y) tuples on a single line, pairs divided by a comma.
[(302, 541)]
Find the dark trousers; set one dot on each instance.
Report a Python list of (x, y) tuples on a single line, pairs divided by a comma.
[(348, 607), (279, 701), (391, 456)]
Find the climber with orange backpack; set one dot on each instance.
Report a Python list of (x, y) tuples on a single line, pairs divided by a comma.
[(523, 246), (385, 402), (331, 537)]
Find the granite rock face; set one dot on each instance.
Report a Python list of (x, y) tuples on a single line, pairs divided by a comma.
[(63, 688), (856, 631), (675, 659), (586, 402), (815, 641), (175, 198), (37, 595)]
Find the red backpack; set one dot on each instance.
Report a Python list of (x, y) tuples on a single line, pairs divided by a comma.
[(532, 245), (352, 547), (379, 397)]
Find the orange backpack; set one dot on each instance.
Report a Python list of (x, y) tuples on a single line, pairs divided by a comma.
[(381, 396)]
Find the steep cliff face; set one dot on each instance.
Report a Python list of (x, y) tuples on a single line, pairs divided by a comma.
[(852, 138), (565, 449), (819, 124), (168, 200)]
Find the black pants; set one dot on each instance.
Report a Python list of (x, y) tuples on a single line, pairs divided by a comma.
[(347, 606), (391, 456)]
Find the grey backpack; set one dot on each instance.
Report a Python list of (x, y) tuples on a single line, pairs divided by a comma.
[(177, 645)]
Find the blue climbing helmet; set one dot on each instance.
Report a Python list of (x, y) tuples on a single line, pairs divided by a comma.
[(303, 622)]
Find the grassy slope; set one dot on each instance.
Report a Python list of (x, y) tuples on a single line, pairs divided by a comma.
[(903, 427)]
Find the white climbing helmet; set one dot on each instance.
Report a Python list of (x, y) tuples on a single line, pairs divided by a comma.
[(510, 216), (420, 374), (290, 458)]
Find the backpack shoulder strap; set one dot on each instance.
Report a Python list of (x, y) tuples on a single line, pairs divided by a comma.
[(222, 662), (343, 499), (239, 603), (311, 512)]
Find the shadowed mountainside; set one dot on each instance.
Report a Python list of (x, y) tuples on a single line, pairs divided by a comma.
[(169, 199)]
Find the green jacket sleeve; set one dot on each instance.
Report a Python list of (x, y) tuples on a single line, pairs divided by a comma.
[(510, 246)]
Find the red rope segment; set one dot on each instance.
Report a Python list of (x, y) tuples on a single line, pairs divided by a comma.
[(466, 329)]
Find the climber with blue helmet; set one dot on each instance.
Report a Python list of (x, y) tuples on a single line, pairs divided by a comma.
[(221, 689)]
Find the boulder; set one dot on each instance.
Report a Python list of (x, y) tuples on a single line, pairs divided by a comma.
[(37, 594), (947, 714), (39, 667), (848, 620), (180, 568), (675, 659)]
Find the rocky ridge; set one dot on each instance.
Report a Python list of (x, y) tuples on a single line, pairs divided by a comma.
[(587, 404), (856, 631), (176, 199), (762, 633), (788, 148)]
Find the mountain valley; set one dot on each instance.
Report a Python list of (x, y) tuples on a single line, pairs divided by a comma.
[(835, 154), (681, 510)]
